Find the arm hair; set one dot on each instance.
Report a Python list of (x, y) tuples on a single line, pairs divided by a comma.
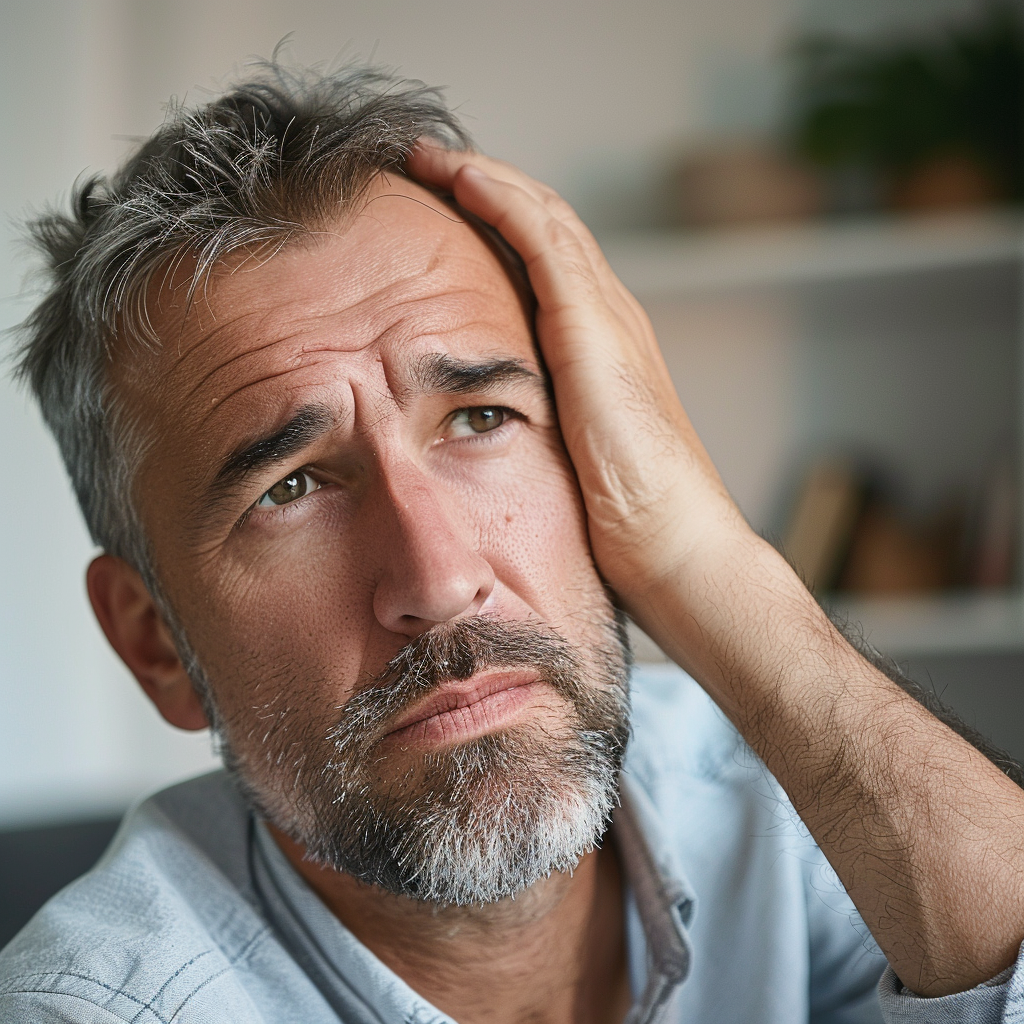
[(853, 633)]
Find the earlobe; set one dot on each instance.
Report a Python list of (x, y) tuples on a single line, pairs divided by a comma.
[(135, 628)]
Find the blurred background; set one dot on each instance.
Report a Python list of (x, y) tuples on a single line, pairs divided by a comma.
[(818, 201)]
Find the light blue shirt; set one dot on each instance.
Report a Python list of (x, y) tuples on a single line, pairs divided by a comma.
[(193, 916)]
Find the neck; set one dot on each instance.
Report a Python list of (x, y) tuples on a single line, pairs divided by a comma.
[(553, 955)]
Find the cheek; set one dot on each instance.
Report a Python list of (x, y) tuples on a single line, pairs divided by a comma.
[(293, 625), (537, 541)]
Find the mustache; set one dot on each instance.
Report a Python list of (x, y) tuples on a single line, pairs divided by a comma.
[(451, 651)]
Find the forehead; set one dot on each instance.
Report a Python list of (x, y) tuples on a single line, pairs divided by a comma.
[(403, 276)]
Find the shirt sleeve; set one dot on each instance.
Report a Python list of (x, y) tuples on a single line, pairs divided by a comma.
[(998, 1001), (845, 962)]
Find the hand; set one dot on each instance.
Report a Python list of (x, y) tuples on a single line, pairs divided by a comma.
[(651, 493), (924, 832)]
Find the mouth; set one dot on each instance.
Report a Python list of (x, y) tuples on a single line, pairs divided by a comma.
[(462, 709)]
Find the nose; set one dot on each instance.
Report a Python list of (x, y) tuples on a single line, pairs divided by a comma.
[(431, 570)]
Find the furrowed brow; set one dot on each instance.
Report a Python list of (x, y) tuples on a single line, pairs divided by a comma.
[(444, 374), (309, 423)]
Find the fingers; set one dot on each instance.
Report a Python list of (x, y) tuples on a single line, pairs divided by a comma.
[(441, 168), (564, 260), (556, 261), (434, 165)]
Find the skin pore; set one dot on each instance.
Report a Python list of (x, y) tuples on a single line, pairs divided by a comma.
[(386, 374)]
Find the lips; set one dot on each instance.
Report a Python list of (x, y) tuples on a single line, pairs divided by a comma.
[(463, 708)]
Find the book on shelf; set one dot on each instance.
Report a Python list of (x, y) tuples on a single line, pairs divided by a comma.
[(847, 533), (993, 531), (821, 526)]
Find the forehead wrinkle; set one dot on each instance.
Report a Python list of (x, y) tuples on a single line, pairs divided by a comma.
[(202, 337), (199, 384), (407, 279), (400, 326), (234, 393), (300, 327), (452, 315), (455, 314)]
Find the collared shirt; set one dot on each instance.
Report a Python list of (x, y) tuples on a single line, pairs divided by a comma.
[(733, 915)]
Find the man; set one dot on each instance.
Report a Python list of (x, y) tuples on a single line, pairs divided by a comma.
[(307, 398)]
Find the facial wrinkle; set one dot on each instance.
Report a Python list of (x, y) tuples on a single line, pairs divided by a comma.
[(399, 324), (242, 388), (232, 360), (298, 325), (192, 330)]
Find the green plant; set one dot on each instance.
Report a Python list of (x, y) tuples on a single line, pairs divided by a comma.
[(892, 104)]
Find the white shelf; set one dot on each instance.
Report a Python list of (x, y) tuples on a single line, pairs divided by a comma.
[(961, 623), (652, 264), (964, 623)]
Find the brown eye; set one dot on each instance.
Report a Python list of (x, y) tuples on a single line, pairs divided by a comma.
[(292, 487), (480, 419), (484, 418)]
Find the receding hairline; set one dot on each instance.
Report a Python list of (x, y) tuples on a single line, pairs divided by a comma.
[(237, 173), (180, 276)]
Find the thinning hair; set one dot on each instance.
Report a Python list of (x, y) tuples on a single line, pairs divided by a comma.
[(283, 154)]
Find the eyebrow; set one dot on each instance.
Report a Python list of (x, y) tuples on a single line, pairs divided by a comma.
[(434, 374), (444, 374), (308, 424)]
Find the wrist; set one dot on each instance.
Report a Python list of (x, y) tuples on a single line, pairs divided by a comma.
[(734, 614)]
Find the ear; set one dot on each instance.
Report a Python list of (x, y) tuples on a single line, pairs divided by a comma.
[(136, 630)]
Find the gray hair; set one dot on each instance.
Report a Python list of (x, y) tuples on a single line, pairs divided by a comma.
[(280, 155)]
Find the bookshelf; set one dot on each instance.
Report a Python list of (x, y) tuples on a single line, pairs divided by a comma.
[(820, 273), (654, 264)]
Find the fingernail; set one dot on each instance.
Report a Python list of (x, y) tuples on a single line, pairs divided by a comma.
[(472, 171)]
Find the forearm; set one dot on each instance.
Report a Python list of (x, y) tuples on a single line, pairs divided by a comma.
[(925, 833), (928, 698)]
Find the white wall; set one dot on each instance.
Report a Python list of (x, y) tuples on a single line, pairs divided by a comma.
[(587, 96), (75, 733), (579, 93)]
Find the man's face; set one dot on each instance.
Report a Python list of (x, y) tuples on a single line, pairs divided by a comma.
[(354, 451)]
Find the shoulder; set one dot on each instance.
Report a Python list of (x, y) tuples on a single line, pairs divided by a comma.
[(679, 730), (714, 800), (164, 923)]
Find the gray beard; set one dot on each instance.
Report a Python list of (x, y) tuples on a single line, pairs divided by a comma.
[(469, 824)]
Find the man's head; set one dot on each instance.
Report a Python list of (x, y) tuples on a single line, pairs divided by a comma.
[(299, 393)]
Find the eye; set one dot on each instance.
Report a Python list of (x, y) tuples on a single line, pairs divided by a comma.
[(291, 488), (477, 420)]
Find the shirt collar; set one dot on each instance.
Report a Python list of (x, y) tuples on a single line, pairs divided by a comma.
[(664, 900), (362, 989)]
